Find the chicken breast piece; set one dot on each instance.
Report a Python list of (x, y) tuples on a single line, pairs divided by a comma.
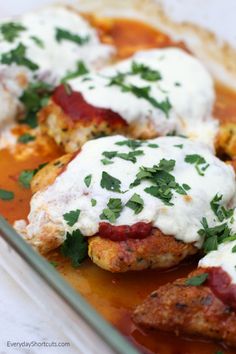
[(142, 92), (155, 251), (186, 309)]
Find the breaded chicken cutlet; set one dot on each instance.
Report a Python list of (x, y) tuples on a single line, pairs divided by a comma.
[(138, 203)]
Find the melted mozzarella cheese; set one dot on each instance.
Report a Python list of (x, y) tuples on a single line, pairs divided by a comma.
[(184, 81), (54, 58), (182, 219), (223, 257)]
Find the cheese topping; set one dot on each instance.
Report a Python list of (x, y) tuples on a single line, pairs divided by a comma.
[(166, 87), (167, 181), (47, 45)]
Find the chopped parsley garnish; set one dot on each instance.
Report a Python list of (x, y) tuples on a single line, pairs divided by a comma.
[(163, 182), (197, 280), (26, 176), (130, 156), (54, 264), (88, 180), (26, 138), (234, 249), (11, 30), (219, 210), (6, 195), (38, 41), (80, 70), (145, 72), (198, 161), (18, 56), (141, 92), (110, 183), (132, 144), (113, 210), (213, 236), (93, 202), (75, 247), (135, 203), (64, 35), (34, 98), (153, 146), (180, 146), (107, 162), (72, 217)]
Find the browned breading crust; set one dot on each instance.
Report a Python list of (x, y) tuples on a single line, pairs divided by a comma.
[(48, 174), (72, 135), (155, 251), (184, 309)]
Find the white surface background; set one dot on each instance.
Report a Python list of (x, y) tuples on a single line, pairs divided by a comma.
[(20, 317)]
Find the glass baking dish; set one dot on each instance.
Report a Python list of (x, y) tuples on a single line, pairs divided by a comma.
[(80, 323)]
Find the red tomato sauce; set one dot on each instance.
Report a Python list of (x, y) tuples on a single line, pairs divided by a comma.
[(74, 106), (139, 230), (221, 285)]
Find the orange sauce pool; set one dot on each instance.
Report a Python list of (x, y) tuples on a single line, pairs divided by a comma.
[(116, 295)]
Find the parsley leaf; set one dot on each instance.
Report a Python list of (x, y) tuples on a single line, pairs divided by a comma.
[(145, 72), (197, 280), (6, 195), (234, 249), (163, 181), (130, 156), (180, 146), (93, 202), (37, 41), (135, 203), (26, 176), (80, 70), (72, 217), (18, 56), (26, 138), (113, 210), (34, 98), (200, 163), (140, 92), (132, 144), (64, 35), (11, 30), (75, 247), (153, 146), (110, 183), (106, 162), (213, 236), (219, 210), (88, 180)]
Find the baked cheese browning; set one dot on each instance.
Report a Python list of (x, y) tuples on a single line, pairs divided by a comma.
[(187, 309), (155, 251), (156, 92), (226, 140)]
